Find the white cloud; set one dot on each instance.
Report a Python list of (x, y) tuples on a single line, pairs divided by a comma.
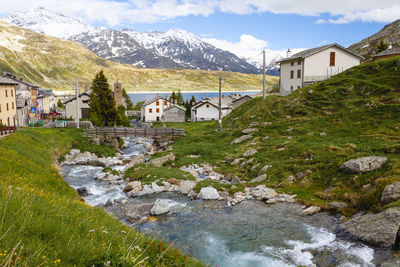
[(114, 12), (250, 48)]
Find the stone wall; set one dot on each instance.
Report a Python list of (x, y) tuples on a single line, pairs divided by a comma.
[(174, 114)]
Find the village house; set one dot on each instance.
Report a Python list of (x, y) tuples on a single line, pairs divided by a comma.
[(71, 108), (240, 101), (8, 105), (153, 109), (175, 113), (45, 101), (26, 98), (390, 52), (313, 65)]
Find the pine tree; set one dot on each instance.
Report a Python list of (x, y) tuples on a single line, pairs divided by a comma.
[(179, 98), (102, 104), (192, 101), (172, 98), (122, 119), (128, 100)]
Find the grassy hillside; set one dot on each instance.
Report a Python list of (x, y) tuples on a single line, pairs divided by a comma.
[(55, 64), (317, 128), (43, 221)]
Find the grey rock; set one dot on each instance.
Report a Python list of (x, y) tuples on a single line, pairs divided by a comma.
[(301, 175), (265, 138), (139, 159), (235, 180), (82, 191), (136, 212), (261, 192), (241, 139), (236, 161), (374, 229), (264, 169), (158, 162), (161, 206), (363, 165), (311, 210), (208, 193), (249, 130), (186, 186), (132, 188), (391, 193), (271, 201), (259, 178), (249, 152)]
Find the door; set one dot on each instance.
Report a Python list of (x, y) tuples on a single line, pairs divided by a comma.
[(85, 113)]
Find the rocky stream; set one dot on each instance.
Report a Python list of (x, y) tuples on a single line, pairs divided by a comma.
[(256, 228)]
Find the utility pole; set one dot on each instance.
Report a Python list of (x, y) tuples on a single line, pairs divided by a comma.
[(220, 105), (77, 104), (263, 74)]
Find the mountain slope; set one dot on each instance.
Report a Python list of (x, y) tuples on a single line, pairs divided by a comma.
[(390, 34), (172, 49), (55, 63)]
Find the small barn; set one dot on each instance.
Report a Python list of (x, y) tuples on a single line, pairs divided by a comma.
[(70, 106), (175, 113)]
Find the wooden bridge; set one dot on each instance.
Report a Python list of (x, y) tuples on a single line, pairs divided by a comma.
[(134, 132)]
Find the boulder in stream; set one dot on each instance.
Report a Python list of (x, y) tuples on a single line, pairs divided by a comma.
[(161, 206), (209, 193), (311, 210), (136, 212)]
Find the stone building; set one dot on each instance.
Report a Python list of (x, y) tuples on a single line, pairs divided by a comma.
[(175, 114), (70, 106), (8, 105)]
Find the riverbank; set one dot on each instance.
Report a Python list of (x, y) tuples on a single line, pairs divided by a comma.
[(44, 221)]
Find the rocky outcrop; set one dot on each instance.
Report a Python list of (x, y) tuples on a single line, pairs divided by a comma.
[(249, 152), (237, 161), (261, 192), (161, 206), (311, 210), (136, 212), (241, 139), (208, 193), (374, 229), (132, 188), (363, 165), (391, 193), (249, 130), (264, 169), (139, 159), (158, 162), (186, 186)]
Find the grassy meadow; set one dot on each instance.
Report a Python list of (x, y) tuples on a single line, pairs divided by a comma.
[(43, 221), (317, 128)]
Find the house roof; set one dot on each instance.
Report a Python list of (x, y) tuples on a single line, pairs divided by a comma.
[(211, 102), (148, 102), (87, 93), (7, 81), (14, 78), (176, 106), (389, 51), (309, 52), (245, 96)]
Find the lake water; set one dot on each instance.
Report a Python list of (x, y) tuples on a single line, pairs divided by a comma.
[(137, 97)]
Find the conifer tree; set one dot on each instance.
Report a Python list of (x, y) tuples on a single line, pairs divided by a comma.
[(172, 98), (179, 98), (128, 100), (102, 104)]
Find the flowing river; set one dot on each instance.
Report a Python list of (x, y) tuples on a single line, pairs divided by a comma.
[(249, 234)]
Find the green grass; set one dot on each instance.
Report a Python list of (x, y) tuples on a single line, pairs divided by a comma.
[(149, 173), (86, 145), (44, 222), (358, 110)]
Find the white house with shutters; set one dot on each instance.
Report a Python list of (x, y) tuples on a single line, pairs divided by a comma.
[(207, 110), (313, 65), (153, 109)]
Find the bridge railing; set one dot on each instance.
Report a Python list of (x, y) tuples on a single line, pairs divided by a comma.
[(134, 132)]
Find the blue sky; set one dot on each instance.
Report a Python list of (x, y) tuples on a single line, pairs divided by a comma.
[(244, 27)]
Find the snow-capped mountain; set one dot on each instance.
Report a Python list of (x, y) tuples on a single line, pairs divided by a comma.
[(171, 49), (47, 22)]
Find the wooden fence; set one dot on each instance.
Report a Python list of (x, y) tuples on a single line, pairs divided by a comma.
[(6, 130), (134, 132)]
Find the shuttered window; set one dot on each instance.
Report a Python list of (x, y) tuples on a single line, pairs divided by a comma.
[(298, 74), (150, 110), (291, 74), (332, 59), (6, 93), (157, 103), (12, 94), (157, 110), (165, 102)]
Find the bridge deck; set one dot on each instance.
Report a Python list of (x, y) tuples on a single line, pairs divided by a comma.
[(134, 132)]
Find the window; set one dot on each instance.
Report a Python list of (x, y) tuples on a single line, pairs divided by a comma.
[(299, 62), (7, 106), (12, 94), (291, 88), (208, 105), (157, 110), (298, 74), (291, 74), (292, 64), (12, 105), (157, 103), (332, 59), (165, 102), (298, 87), (150, 110), (6, 93)]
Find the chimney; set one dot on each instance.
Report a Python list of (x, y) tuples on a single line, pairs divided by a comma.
[(288, 53)]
